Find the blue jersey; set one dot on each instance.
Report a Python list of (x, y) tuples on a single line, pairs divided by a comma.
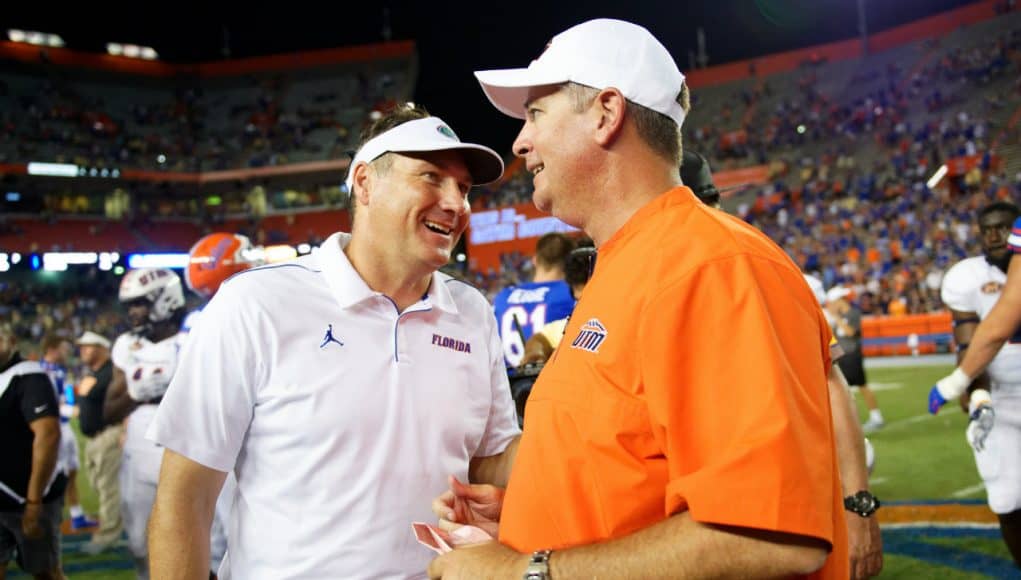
[(523, 310), (58, 375)]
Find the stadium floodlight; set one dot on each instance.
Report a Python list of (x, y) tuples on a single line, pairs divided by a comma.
[(15, 35), (279, 253), (149, 53), (53, 169), (114, 48), (936, 177), (36, 38), (58, 261), (54, 40), (169, 260), (132, 51)]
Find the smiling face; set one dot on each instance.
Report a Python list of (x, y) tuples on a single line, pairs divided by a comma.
[(554, 143), (416, 206)]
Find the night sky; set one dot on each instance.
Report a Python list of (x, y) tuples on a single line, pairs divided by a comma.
[(453, 41)]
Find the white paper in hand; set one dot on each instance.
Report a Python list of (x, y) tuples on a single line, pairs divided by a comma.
[(440, 541)]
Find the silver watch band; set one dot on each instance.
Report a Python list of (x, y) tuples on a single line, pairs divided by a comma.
[(538, 566)]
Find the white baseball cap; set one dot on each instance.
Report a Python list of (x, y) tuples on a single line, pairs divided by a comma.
[(89, 338), (817, 288), (837, 292), (429, 134), (600, 54)]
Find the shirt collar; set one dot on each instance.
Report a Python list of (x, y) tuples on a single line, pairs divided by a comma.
[(348, 287), (15, 359)]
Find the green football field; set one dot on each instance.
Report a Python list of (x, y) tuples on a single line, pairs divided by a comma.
[(924, 471)]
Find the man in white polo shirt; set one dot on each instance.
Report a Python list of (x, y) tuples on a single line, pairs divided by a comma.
[(344, 387)]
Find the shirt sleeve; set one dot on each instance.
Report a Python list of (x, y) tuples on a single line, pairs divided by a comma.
[(957, 290), (119, 354), (208, 406), (1014, 241), (734, 365), (38, 399), (502, 424)]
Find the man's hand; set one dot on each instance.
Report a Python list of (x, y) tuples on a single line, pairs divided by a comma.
[(865, 544), (477, 505), (30, 521), (982, 420), (490, 560), (949, 387)]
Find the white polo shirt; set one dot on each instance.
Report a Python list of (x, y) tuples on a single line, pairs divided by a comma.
[(341, 416)]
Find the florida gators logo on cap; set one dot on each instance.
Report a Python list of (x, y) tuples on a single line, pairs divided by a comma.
[(446, 131)]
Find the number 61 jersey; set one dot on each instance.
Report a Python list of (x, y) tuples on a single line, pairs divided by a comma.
[(523, 310), (974, 285)]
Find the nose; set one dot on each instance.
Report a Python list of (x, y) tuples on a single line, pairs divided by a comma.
[(996, 235), (452, 199), (523, 143)]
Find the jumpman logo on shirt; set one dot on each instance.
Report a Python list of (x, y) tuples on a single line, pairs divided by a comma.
[(329, 338)]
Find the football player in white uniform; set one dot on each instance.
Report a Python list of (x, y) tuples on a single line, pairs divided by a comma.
[(213, 259), (970, 289), (144, 361)]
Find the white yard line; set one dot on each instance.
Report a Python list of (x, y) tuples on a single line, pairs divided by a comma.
[(907, 421), (913, 525), (885, 386), (970, 490), (878, 480)]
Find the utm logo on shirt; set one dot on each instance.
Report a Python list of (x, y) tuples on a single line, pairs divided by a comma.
[(591, 335)]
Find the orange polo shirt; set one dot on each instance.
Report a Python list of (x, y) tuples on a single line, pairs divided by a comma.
[(692, 377)]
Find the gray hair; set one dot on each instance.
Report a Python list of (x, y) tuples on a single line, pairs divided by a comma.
[(658, 131)]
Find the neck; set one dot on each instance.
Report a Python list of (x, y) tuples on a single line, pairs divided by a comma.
[(547, 274), (630, 180), (387, 274), (99, 363)]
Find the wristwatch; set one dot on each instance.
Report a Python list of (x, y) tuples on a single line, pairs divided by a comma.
[(862, 503), (538, 566)]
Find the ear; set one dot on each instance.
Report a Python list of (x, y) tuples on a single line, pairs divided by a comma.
[(609, 106), (364, 176)]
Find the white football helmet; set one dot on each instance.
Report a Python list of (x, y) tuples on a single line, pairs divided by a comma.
[(159, 286)]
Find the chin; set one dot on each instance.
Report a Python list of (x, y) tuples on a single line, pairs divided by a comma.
[(542, 203)]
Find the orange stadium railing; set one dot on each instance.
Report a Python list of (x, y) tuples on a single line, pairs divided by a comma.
[(907, 335), (931, 27)]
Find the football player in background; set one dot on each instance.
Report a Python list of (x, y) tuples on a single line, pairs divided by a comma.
[(213, 259), (523, 309), (144, 359), (56, 351), (970, 289)]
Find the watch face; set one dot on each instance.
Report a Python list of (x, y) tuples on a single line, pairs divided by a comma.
[(862, 503)]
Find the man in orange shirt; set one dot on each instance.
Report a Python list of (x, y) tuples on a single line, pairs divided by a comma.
[(647, 452)]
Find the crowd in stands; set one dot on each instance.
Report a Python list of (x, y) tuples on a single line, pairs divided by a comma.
[(846, 197), (188, 129)]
